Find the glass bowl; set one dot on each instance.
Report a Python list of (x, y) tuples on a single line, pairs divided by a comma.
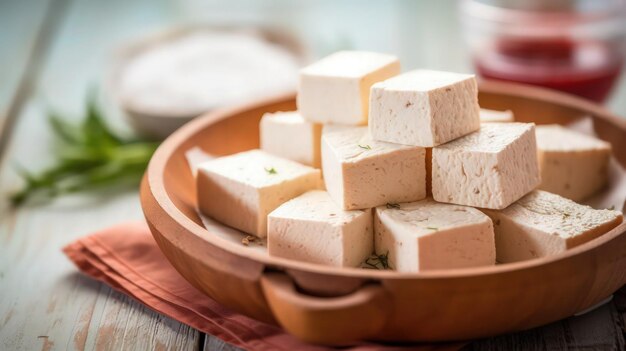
[(574, 46)]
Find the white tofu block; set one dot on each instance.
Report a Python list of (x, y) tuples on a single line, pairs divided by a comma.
[(493, 116), (490, 168), (240, 190), (312, 228), (424, 108), (543, 224), (336, 88), (362, 173), (288, 135), (572, 165), (427, 235)]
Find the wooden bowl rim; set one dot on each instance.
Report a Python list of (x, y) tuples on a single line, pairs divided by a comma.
[(156, 170)]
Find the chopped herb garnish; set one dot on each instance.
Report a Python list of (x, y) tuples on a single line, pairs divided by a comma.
[(432, 228), (391, 205), (566, 215), (377, 262), (612, 207), (366, 147), (271, 170)]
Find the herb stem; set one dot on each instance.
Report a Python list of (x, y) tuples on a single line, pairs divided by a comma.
[(89, 156)]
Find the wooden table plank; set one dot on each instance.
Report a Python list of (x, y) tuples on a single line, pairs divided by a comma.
[(22, 46), (600, 329), (44, 302), (20, 22), (212, 343), (120, 324)]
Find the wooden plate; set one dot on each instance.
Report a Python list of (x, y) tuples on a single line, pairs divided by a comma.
[(341, 305)]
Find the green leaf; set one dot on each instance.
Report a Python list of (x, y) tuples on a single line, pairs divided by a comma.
[(97, 133), (91, 156), (63, 130)]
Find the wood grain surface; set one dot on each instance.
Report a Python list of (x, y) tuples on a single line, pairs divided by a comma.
[(600, 329), (44, 303), (20, 49)]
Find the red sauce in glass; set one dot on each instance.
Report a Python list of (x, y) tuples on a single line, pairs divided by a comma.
[(585, 68)]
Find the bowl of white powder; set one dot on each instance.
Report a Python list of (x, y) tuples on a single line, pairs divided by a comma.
[(167, 79)]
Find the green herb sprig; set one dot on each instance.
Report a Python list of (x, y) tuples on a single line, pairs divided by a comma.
[(377, 262), (89, 156)]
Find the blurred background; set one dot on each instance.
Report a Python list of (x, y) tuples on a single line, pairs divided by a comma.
[(54, 51), (145, 67)]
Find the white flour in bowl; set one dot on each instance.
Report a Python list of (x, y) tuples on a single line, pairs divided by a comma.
[(199, 71)]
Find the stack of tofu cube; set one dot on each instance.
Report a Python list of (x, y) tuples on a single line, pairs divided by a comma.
[(409, 174)]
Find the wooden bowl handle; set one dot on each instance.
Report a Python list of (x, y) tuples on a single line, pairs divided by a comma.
[(326, 320)]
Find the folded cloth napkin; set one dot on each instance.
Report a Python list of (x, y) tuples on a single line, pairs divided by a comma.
[(127, 258)]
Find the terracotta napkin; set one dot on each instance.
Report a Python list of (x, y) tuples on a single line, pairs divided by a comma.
[(127, 258)]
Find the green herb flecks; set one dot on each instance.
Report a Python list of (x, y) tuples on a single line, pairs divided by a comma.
[(391, 205), (89, 156), (377, 262), (432, 228), (271, 170), (365, 147)]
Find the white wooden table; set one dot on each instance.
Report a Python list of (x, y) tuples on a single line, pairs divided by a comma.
[(52, 51)]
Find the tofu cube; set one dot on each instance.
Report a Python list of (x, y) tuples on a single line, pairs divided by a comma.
[(240, 190), (491, 168), (493, 116), (312, 228), (572, 165), (426, 235), (362, 173), (424, 108), (542, 224), (336, 89), (288, 135)]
